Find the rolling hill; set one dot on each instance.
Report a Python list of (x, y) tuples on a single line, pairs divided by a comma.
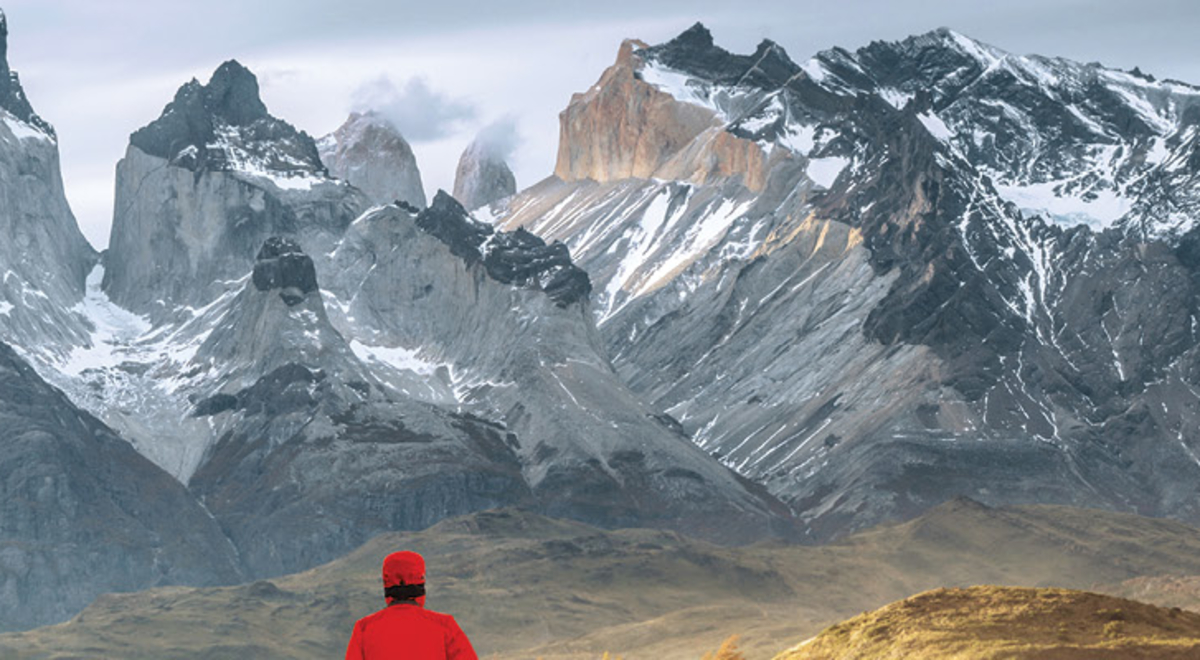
[(523, 585)]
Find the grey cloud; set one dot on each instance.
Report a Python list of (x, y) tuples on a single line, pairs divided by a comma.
[(500, 138), (421, 113)]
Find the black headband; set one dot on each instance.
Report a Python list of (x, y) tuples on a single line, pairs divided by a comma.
[(404, 591)]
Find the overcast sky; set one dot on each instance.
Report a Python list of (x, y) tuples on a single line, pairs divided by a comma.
[(448, 69)]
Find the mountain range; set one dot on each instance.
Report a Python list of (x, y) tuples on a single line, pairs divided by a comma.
[(755, 300), (879, 279)]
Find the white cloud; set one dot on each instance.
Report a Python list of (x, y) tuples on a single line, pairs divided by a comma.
[(500, 138), (421, 113)]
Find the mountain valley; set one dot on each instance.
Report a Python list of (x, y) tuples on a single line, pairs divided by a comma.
[(819, 336)]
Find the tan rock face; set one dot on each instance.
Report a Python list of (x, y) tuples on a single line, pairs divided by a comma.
[(718, 154), (624, 127)]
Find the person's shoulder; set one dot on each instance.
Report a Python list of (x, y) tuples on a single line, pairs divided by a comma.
[(370, 618), (444, 620)]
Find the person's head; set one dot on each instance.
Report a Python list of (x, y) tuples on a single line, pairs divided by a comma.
[(404, 578)]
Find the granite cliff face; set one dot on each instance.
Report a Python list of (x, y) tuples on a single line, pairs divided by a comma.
[(482, 177), (84, 514), (313, 454), (203, 186), (883, 319), (369, 153), (44, 259)]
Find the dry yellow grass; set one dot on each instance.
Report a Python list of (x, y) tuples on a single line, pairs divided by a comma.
[(990, 623), (727, 651)]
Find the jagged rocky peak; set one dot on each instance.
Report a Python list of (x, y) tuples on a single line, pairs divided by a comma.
[(278, 320), (369, 152), (518, 258), (483, 177), (670, 112), (44, 259), (1074, 143), (282, 265), (225, 126), (448, 285), (200, 189), (12, 95), (695, 52)]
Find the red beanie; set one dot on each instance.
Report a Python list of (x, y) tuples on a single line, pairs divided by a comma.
[(403, 569)]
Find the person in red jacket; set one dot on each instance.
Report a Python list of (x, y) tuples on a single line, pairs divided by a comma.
[(405, 629)]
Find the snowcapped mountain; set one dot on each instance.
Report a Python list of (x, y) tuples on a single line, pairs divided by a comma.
[(866, 284), (831, 274), (482, 177), (369, 153), (316, 371), (200, 189), (1074, 143)]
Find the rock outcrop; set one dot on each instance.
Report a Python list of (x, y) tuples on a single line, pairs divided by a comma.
[(371, 154), (482, 177)]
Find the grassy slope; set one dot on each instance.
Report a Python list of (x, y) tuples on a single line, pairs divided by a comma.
[(525, 586), (986, 623)]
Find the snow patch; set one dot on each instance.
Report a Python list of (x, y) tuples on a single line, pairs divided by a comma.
[(487, 215), (815, 70), (642, 241), (824, 171), (5, 307), (21, 130), (979, 51), (766, 117), (936, 127), (115, 329), (800, 139), (228, 140), (896, 98), (1158, 152), (397, 357), (1099, 212), (701, 238), (679, 85)]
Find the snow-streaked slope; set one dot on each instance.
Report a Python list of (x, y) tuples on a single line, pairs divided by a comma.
[(907, 302), (1074, 143)]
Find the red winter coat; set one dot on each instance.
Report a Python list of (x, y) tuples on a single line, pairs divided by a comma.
[(408, 631)]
